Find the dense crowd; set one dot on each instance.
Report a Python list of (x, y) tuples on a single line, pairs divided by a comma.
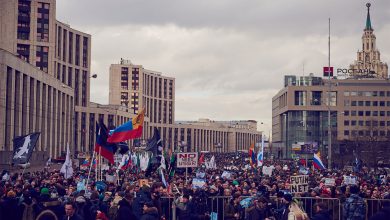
[(245, 193)]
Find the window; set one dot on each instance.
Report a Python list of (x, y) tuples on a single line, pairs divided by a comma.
[(382, 133), (381, 93), (375, 123), (346, 123), (346, 132), (42, 58), (353, 113), (361, 123), (382, 123), (382, 103), (382, 113), (347, 103), (353, 103), (346, 93), (333, 98), (368, 103), (368, 113), (361, 103), (368, 123), (43, 22), (374, 113), (375, 103), (353, 123), (300, 98), (388, 123), (346, 113), (361, 113)]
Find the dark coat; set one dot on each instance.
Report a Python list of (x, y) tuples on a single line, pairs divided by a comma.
[(74, 217), (150, 214), (125, 211), (9, 208), (142, 198), (323, 215)]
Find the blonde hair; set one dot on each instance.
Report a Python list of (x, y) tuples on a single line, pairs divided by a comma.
[(296, 213)]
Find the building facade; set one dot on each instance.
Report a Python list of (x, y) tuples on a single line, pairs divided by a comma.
[(33, 101), (133, 87)]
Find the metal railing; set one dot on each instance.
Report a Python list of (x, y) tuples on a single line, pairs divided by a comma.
[(218, 205)]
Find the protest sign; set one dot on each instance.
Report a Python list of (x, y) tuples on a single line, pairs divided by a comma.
[(350, 180), (200, 174), (267, 170), (330, 182), (187, 160), (198, 183), (226, 174), (110, 178), (299, 183)]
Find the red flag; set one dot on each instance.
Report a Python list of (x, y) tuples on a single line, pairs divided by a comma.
[(201, 159)]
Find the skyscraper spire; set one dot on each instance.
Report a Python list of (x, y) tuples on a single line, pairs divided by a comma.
[(368, 21)]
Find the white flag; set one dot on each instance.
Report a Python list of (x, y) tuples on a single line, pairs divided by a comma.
[(67, 168), (260, 154), (162, 162)]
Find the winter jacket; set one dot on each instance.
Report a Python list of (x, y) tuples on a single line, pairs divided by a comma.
[(323, 215), (125, 211), (354, 208), (150, 214), (9, 207)]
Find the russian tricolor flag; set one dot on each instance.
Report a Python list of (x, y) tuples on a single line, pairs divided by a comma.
[(129, 130), (317, 162)]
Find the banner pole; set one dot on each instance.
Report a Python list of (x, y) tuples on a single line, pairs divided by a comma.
[(90, 167)]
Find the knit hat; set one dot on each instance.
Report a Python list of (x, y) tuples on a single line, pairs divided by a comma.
[(11, 194), (44, 191), (235, 183)]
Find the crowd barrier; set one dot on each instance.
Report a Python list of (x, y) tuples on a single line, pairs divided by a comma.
[(218, 204)]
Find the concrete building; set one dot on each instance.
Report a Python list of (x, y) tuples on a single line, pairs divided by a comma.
[(133, 86), (359, 103), (30, 31), (31, 101)]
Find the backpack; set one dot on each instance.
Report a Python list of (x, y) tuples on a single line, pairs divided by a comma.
[(28, 212)]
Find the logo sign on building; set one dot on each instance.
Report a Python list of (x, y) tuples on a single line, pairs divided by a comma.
[(187, 160), (299, 183), (328, 71)]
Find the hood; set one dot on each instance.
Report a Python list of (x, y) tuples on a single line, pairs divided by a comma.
[(151, 211)]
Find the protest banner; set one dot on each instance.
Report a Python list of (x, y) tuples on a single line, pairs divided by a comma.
[(299, 183), (198, 183), (267, 170), (187, 160), (330, 182), (110, 178)]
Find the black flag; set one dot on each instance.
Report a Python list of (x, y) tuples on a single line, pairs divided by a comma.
[(23, 148), (155, 144)]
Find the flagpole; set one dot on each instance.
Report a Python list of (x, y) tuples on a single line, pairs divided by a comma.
[(100, 163), (90, 167)]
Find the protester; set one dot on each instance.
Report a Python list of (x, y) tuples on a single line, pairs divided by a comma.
[(354, 207), (321, 212), (226, 181)]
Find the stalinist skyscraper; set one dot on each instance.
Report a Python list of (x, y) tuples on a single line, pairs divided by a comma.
[(369, 58)]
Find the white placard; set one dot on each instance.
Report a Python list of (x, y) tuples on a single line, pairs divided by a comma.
[(267, 170), (350, 180), (187, 159), (299, 183), (330, 182)]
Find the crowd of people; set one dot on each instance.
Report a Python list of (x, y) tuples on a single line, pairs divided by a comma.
[(245, 193)]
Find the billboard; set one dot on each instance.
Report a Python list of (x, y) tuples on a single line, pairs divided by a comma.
[(309, 147)]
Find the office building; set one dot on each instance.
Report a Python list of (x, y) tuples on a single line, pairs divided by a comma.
[(359, 106)]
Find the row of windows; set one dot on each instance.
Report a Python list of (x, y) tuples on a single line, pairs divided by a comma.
[(367, 133), (65, 42), (366, 123), (367, 93), (367, 113), (366, 103)]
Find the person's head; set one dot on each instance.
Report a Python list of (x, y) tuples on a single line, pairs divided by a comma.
[(287, 198), (354, 189), (185, 198), (70, 208), (319, 207)]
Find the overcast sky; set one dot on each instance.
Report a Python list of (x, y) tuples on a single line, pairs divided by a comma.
[(228, 56)]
